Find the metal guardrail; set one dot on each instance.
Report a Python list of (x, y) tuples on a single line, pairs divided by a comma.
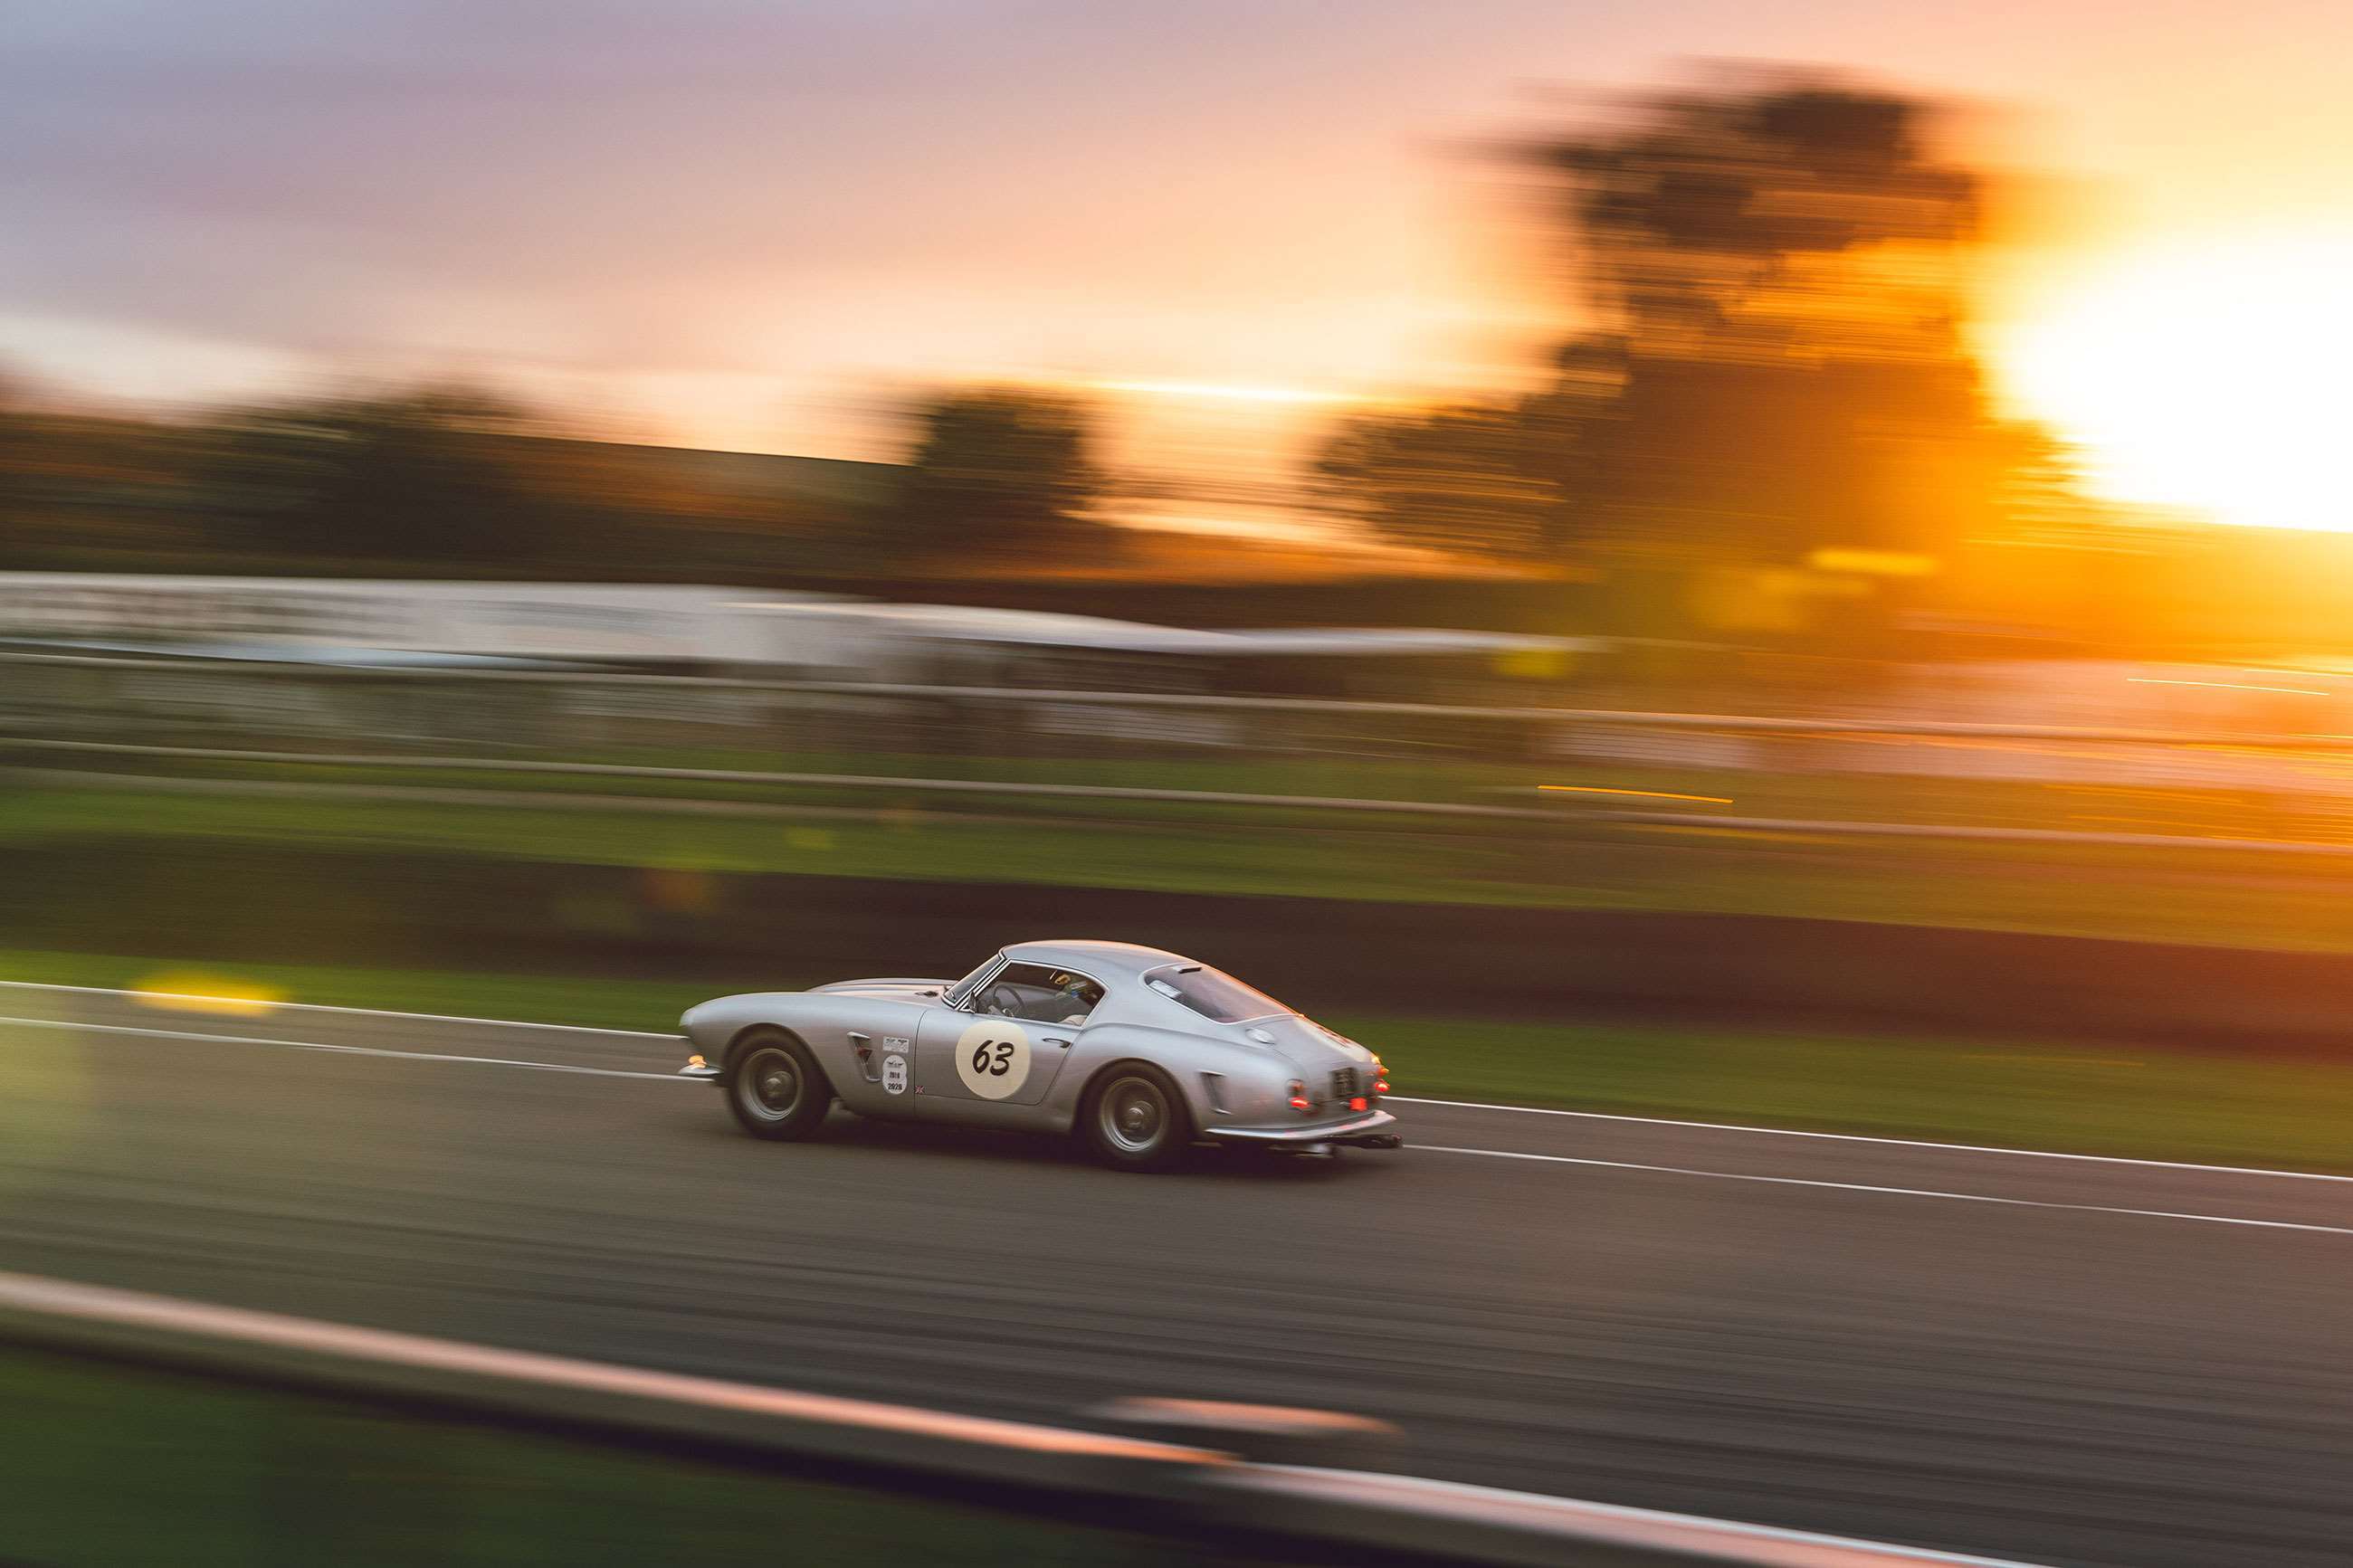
[(1376, 763), (885, 782), (1221, 1479), (1727, 723), (1963, 833), (750, 776)]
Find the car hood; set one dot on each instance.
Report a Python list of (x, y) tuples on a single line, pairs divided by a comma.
[(895, 985)]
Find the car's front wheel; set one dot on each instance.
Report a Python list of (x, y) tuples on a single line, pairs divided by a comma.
[(1136, 1120), (775, 1088)]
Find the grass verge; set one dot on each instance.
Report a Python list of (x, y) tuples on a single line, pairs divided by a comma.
[(2219, 897), (107, 1463)]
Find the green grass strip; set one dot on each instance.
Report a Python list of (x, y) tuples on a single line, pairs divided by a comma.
[(2153, 1103)]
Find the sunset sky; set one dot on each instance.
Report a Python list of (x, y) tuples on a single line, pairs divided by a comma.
[(754, 225)]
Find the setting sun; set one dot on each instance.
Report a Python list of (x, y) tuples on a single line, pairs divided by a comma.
[(2210, 379)]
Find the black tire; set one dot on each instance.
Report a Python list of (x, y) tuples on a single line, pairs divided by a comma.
[(1135, 1119), (775, 1087)]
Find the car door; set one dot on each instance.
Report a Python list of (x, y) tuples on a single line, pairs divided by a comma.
[(978, 1066)]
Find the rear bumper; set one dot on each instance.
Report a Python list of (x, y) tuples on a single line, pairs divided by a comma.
[(1370, 1130)]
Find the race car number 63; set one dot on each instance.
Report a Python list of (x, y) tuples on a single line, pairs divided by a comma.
[(993, 1057)]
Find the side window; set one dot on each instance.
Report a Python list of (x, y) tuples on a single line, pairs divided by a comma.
[(1039, 993)]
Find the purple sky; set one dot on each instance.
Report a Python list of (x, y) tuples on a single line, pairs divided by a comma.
[(747, 224)]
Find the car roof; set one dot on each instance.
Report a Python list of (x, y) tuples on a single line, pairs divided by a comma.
[(1125, 958)]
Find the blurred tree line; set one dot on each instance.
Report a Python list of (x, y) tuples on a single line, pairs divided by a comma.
[(455, 481), (1768, 429)]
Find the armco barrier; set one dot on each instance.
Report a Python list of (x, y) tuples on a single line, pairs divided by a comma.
[(1209, 1481), (521, 1382), (876, 781), (1638, 719)]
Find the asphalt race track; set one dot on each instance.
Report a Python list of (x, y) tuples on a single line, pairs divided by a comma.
[(2067, 1360)]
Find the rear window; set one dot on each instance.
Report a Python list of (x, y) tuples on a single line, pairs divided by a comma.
[(1212, 992)]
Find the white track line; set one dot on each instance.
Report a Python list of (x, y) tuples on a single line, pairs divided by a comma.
[(1864, 1138), (1400, 1099), (1890, 1191), (338, 1050)]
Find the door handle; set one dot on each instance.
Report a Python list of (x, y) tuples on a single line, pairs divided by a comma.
[(1056, 1040)]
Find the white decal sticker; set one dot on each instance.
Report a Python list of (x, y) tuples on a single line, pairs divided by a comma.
[(897, 1042), (993, 1057), (894, 1074)]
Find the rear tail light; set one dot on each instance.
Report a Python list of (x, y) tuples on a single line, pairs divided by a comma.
[(1298, 1100)]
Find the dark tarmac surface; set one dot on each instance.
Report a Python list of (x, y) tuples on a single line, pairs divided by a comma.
[(1886, 1354)]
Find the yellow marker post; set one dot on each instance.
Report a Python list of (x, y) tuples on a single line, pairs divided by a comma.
[(1639, 794)]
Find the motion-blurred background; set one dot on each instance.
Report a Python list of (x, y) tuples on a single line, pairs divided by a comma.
[(1654, 579), (1322, 460)]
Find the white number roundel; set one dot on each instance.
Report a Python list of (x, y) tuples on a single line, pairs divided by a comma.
[(993, 1057)]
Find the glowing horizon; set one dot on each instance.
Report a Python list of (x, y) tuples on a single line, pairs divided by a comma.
[(2205, 377), (1216, 392), (759, 229)]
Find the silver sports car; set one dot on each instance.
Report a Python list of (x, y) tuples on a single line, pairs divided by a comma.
[(1140, 1052)]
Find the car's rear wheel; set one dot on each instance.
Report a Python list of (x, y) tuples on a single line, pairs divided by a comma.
[(1136, 1120), (774, 1086)]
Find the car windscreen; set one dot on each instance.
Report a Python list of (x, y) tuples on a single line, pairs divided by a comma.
[(954, 995), (1212, 992)]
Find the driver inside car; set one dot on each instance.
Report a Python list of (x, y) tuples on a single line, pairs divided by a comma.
[(1064, 998), (1073, 999)]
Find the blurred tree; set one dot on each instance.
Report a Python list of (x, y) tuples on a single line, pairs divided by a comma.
[(1502, 480), (1775, 217), (16, 439), (1786, 261), (1468, 480), (660, 513), (83, 489), (410, 480), (997, 474)]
